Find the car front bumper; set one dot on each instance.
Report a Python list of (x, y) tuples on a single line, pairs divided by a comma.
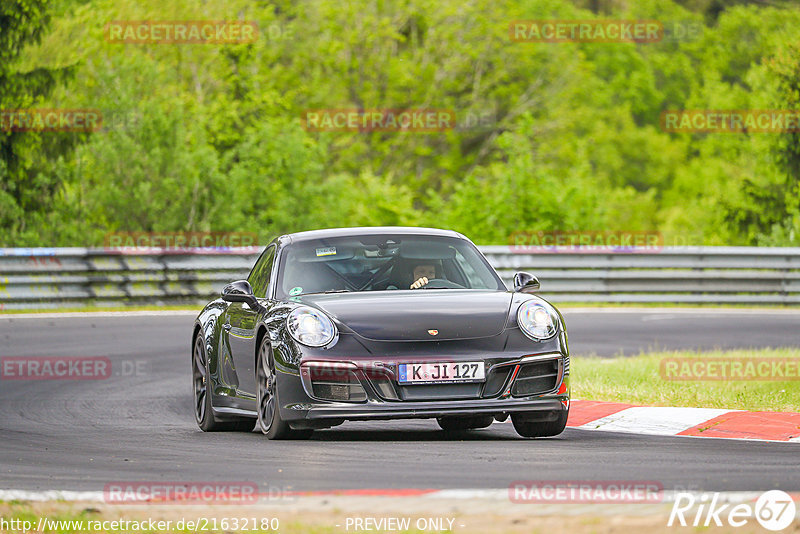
[(422, 410), (304, 407)]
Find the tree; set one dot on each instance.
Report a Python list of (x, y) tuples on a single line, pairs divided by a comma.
[(782, 199), (25, 191)]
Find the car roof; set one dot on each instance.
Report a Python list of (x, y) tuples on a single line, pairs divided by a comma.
[(367, 230)]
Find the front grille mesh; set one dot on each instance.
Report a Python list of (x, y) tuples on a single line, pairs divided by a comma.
[(339, 386), (536, 378)]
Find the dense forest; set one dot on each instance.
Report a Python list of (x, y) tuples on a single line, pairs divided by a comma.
[(548, 136)]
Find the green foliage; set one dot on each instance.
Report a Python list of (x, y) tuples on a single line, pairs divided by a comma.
[(784, 196), (549, 136), (26, 188)]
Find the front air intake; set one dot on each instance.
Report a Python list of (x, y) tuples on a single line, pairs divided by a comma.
[(333, 382), (345, 387), (536, 378)]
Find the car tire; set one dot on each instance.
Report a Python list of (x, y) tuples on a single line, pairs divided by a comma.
[(203, 408), (539, 429), (269, 415), (456, 424)]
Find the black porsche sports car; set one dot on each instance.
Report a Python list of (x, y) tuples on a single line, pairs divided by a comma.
[(379, 323)]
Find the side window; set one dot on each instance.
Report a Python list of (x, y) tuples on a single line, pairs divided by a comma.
[(259, 277)]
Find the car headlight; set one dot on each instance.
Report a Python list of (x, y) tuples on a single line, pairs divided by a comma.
[(310, 327), (537, 319)]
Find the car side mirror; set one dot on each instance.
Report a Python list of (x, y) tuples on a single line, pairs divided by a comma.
[(525, 283), (240, 291)]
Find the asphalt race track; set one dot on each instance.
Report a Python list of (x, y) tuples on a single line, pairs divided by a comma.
[(138, 424)]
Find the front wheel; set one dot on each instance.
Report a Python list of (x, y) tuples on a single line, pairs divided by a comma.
[(269, 414), (539, 429)]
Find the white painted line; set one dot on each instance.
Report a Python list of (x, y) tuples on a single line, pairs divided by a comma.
[(50, 495), (92, 315), (654, 420), (483, 494), (668, 495), (724, 438), (566, 310)]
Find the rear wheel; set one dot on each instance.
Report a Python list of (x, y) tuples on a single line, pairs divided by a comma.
[(539, 429), (454, 424), (269, 414), (203, 412)]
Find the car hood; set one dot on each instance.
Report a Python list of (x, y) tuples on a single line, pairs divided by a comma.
[(419, 315)]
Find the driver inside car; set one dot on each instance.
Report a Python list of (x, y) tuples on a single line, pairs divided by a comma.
[(420, 275), (423, 273)]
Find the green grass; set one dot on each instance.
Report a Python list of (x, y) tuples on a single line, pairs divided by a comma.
[(638, 380)]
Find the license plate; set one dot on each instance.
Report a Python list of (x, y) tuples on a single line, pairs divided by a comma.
[(441, 373)]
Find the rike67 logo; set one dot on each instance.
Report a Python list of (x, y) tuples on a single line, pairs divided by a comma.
[(774, 510)]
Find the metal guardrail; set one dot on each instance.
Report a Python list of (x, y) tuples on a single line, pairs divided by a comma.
[(63, 277), (747, 275)]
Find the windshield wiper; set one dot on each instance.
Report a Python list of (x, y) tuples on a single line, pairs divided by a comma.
[(324, 292)]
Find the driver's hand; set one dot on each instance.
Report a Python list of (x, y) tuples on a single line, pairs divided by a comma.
[(420, 282)]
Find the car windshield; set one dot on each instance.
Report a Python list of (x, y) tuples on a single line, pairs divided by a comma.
[(383, 263)]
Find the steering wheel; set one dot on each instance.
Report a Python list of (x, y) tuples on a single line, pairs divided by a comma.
[(435, 283)]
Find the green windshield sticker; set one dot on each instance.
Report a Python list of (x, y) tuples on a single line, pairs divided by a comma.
[(296, 290)]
